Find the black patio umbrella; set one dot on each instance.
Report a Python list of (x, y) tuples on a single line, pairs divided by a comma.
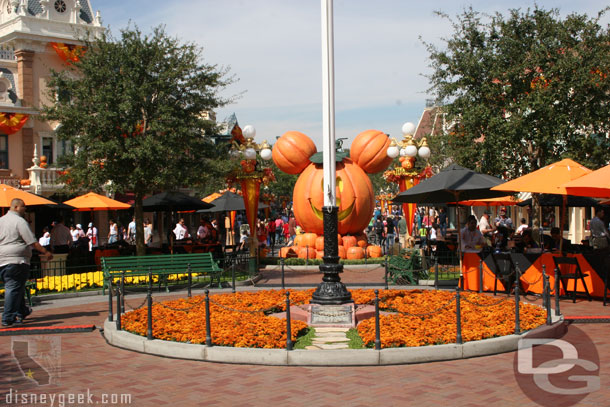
[(452, 184), (557, 200), (173, 201), (229, 201)]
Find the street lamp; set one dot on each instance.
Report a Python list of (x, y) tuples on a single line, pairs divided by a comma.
[(405, 175), (250, 176)]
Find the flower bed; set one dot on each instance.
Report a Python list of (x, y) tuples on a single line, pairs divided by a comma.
[(244, 320)]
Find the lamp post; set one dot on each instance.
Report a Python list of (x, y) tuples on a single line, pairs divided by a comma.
[(405, 175), (250, 176)]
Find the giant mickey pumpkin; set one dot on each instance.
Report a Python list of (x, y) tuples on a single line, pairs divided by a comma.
[(354, 194)]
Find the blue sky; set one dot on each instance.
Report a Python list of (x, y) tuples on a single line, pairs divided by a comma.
[(274, 48)]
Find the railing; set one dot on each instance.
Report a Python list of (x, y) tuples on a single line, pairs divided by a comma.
[(44, 179), (7, 54)]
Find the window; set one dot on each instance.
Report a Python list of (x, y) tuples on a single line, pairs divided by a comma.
[(47, 149), (4, 152), (60, 6), (64, 147)]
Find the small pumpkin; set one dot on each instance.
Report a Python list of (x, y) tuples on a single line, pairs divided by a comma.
[(374, 251), (297, 240), (362, 241), (349, 241), (342, 252), (355, 252), (308, 240), (291, 152), (369, 151), (319, 254), (307, 253), (320, 243)]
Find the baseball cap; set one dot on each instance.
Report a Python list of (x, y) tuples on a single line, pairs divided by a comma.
[(79, 226), (90, 224), (502, 209)]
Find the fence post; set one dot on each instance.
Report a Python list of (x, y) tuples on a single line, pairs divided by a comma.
[(118, 308), (233, 275), (289, 343), (110, 312), (190, 280), (282, 264), (149, 331), (517, 284), (208, 329), (435, 273), (458, 316), (366, 255), (557, 310), (377, 329), (546, 298), (307, 255), (385, 274), (123, 291), (480, 275)]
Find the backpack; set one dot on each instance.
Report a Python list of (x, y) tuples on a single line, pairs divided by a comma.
[(379, 226)]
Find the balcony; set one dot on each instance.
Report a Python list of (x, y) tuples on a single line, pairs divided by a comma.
[(44, 181)]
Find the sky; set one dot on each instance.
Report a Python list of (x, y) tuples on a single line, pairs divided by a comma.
[(273, 50)]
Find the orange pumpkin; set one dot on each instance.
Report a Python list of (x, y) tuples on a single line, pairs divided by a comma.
[(362, 241), (369, 151), (342, 252), (297, 240), (288, 252), (355, 252), (319, 254), (354, 198), (291, 152), (339, 239), (374, 251), (320, 243), (308, 240), (349, 241), (307, 253)]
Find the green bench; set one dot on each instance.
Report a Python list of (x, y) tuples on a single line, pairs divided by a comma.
[(162, 266)]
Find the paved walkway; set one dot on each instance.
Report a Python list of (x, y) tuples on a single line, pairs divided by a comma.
[(87, 363)]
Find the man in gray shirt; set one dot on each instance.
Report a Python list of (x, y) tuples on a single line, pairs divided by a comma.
[(16, 242), (599, 233)]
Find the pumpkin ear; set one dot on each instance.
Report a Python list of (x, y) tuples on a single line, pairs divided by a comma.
[(291, 152), (369, 151)]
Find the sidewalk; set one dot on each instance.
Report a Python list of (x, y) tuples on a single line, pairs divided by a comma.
[(87, 363)]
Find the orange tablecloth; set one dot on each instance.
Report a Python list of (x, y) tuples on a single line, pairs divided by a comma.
[(531, 279)]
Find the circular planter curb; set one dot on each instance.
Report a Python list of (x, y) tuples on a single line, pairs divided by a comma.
[(343, 357)]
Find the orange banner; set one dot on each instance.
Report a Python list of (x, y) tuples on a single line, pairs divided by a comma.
[(408, 209), (12, 122), (251, 189)]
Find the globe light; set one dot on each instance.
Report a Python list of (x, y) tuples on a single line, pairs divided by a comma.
[(250, 153), (411, 150), (393, 152), (408, 129), (249, 131), (424, 152), (266, 154)]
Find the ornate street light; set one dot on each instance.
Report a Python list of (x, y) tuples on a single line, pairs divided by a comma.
[(405, 175), (250, 176)]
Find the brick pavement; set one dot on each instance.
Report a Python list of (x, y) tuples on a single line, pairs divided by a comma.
[(88, 362)]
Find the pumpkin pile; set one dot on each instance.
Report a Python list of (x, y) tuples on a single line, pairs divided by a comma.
[(311, 246)]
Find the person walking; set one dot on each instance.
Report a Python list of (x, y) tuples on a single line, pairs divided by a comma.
[(92, 235), (16, 243)]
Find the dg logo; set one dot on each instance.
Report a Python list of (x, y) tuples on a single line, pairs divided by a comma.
[(555, 372)]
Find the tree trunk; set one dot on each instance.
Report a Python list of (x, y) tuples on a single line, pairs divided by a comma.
[(139, 214)]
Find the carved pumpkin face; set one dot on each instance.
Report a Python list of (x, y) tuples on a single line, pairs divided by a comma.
[(354, 198)]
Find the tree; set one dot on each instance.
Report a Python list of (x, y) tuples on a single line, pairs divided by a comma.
[(524, 90), (134, 115)]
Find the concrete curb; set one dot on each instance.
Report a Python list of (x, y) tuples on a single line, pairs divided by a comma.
[(343, 357)]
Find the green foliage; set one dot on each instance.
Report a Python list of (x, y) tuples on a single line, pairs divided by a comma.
[(305, 338), (134, 115), (525, 90), (355, 341)]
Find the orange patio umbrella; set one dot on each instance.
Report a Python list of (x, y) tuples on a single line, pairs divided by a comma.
[(548, 180), (8, 193), (594, 185), (211, 197), (95, 202), (501, 201)]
